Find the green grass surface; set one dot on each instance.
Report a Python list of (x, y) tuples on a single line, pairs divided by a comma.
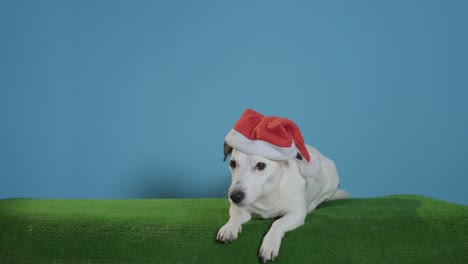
[(394, 229)]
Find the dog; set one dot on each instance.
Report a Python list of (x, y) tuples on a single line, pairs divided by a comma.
[(288, 189)]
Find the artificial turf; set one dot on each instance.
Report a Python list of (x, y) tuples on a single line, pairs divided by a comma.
[(392, 229)]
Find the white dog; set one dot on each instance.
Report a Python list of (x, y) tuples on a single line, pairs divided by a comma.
[(288, 189)]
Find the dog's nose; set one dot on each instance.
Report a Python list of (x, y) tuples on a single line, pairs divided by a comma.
[(237, 196)]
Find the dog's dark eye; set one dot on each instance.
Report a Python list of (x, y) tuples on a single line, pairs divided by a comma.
[(260, 166), (232, 164)]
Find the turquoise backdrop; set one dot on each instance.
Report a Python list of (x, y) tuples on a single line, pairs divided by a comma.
[(120, 99)]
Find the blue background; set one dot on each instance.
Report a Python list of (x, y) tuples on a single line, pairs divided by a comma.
[(132, 99)]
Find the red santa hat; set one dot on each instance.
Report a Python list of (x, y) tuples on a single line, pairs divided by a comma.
[(270, 137)]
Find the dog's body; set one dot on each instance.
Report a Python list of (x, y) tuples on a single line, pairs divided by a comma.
[(288, 189)]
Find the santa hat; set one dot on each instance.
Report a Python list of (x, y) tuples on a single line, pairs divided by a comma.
[(270, 137)]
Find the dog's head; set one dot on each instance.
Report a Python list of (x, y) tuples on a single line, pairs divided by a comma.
[(253, 177)]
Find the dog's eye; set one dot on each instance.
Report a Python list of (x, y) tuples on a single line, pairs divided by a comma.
[(232, 164), (260, 166)]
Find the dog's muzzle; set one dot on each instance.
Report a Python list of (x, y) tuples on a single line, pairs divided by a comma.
[(237, 196)]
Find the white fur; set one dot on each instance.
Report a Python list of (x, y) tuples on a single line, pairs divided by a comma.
[(288, 189)]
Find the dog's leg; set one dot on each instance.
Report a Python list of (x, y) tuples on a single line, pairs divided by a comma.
[(232, 228), (272, 240)]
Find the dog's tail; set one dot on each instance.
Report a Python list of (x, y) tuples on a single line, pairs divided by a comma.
[(340, 194)]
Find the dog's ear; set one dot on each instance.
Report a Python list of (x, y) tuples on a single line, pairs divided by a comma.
[(299, 156), (227, 151)]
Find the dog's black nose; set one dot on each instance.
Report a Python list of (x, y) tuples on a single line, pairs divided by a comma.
[(237, 196)]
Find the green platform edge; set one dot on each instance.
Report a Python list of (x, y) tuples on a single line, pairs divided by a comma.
[(391, 229)]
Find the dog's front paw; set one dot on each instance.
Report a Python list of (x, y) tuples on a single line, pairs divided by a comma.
[(270, 248), (228, 232)]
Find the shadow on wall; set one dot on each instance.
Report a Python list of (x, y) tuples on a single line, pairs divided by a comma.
[(174, 183)]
